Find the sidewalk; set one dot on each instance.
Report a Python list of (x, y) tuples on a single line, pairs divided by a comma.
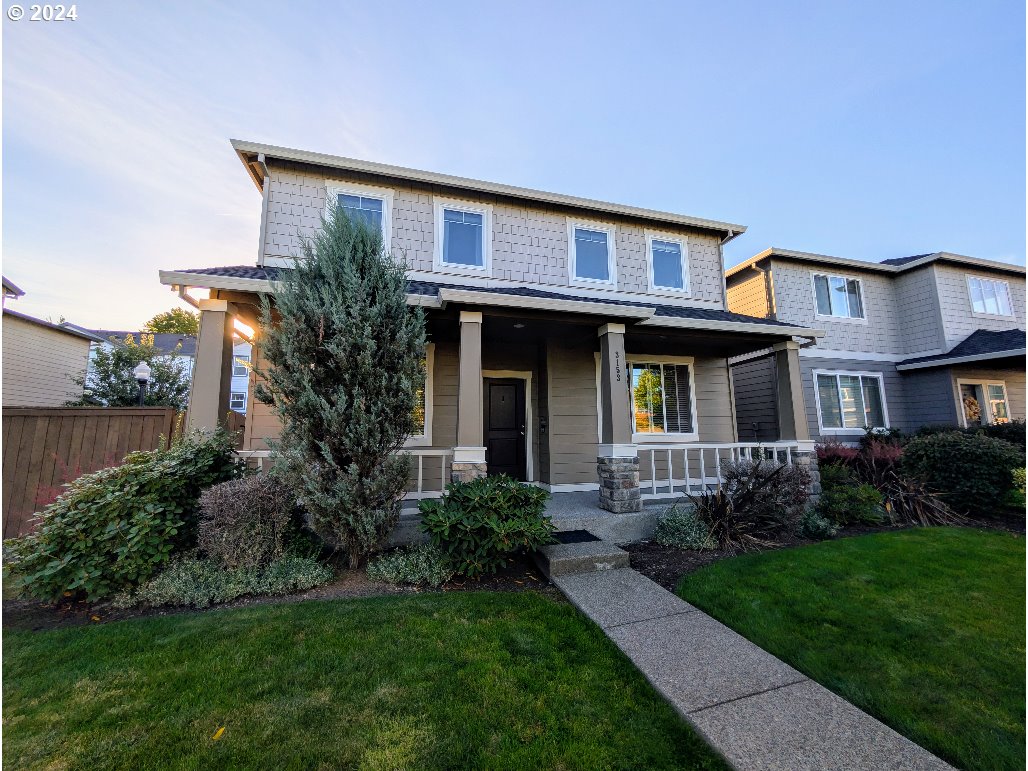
[(755, 710)]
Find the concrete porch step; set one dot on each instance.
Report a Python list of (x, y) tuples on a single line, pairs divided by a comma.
[(564, 559)]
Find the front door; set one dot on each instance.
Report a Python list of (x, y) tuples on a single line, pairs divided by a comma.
[(505, 427)]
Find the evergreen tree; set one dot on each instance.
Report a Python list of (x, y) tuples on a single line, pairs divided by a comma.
[(109, 382), (345, 354), (177, 321)]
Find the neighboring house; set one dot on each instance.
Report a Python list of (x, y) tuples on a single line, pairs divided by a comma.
[(40, 358), (569, 338), (934, 339), (184, 346)]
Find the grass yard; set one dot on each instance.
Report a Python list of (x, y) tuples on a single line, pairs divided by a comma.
[(922, 628), (504, 680)]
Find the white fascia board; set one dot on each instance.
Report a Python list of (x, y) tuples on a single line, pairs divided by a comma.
[(177, 278), (961, 360), (544, 303), (731, 326)]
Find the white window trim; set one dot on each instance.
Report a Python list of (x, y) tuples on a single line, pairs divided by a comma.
[(983, 314), (840, 319), (667, 438), (236, 363), (334, 189), (683, 242), (425, 439), (832, 430), (611, 231), (475, 207), (237, 393), (985, 400)]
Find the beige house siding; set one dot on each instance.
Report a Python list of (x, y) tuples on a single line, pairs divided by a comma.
[(573, 422), (529, 243), (748, 295), (957, 317), (38, 364)]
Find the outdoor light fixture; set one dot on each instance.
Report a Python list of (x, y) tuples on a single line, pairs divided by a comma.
[(142, 375), (519, 325)]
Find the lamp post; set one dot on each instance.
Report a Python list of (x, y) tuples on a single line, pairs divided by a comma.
[(142, 376)]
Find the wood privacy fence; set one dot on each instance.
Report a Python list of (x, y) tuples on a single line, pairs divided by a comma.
[(44, 448)]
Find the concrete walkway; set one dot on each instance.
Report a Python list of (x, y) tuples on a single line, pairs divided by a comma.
[(755, 710)]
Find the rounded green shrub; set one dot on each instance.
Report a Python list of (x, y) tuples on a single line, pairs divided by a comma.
[(481, 523), (116, 527), (421, 564), (681, 528), (972, 472), (817, 527), (845, 501)]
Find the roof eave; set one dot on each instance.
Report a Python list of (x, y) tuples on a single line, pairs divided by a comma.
[(947, 362)]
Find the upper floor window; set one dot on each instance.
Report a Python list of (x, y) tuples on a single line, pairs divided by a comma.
[(850, 401), (463, 236), (591, 253), (662, 400), (838, 296), (989, 296), (241, 365), (669, 263), (363, 203), (237, 401)]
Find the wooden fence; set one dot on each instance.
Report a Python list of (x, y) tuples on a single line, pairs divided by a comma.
[(44, 448)]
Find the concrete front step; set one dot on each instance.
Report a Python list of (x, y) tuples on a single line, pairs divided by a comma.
[(564, 559)]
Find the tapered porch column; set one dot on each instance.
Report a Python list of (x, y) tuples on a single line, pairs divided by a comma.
[(212, 369), (469, 454), (617, 462), (792, 415)]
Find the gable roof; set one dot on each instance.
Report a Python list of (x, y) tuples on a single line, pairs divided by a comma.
[(254, 154), (257, 278), (11, 289), (980, 345), (165, 342), (893, 265), (68, 329)]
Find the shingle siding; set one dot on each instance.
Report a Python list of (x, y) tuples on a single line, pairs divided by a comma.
[(957, 318), (918, 305)]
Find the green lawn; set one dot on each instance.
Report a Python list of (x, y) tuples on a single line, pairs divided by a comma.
[(922, 628), (457, 680)]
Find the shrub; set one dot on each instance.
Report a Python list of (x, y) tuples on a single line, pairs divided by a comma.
[(1019, 479), (971, 471), (244, 522), (422, 564), (683, 529), (480, 523), (114, 528), (203, 582), (757, 500), (833, 452), (844, 501), (1012, 431), (816, 527)]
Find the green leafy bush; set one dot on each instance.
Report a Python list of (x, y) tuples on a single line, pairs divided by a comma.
[(114, 528), (973, 472), (422, 564), (682, 528), (479, 524), (244, 522), (200, 583), (817, 527), (1012, 431), (845, 501), (1019, 479)]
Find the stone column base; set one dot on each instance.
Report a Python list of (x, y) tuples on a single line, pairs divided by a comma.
[(465, 472), (808, 460), (619, 484)]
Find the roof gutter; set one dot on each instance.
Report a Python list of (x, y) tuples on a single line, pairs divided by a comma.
[(961, 360)]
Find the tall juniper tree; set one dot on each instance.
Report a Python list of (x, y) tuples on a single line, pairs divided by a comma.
[(345, 354)]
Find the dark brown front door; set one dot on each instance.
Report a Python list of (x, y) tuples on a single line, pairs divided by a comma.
[(505, 427)]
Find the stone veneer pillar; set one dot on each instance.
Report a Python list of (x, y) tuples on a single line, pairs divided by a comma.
[(212, 369), (617, 462), (469, 454)]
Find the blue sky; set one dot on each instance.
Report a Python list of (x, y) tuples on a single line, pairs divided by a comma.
[(866, 130)]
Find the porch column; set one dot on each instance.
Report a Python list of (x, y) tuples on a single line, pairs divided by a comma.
[(212, 369), (617, 462), (792, 414), (469, 454)]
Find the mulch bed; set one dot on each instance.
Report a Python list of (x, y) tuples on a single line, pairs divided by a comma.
[(519, 576)]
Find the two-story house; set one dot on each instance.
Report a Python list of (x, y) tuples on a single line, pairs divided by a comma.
[(574, 344), (933, 339)]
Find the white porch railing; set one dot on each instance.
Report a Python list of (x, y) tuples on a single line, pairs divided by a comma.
[(422, 457), (691, 467)]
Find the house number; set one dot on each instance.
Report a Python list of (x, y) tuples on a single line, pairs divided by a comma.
[(617, 365)]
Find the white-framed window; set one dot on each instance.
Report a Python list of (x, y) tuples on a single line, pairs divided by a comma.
[(838, 297), (365, 203), (983, 402), (237, 401), (463, 236), (241, 365), (591, 253), (849, 402), (423, 408), (989, 297), (668, 259), (663, 398)]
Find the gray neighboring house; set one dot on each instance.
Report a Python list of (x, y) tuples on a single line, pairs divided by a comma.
[(933, 339)]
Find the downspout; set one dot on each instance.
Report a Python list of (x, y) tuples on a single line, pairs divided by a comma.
[(721, 256)]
